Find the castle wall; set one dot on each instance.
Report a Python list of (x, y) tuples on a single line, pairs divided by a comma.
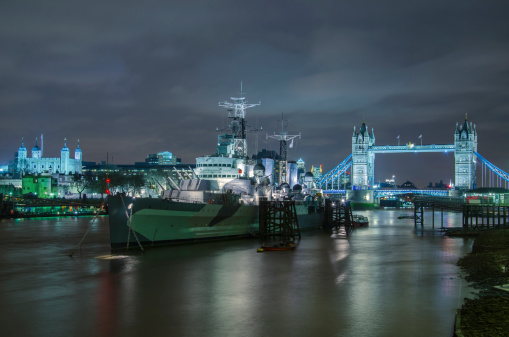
[(37, 164)]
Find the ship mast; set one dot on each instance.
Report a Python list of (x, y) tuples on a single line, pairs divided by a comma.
[(237, 112), (283, 138)]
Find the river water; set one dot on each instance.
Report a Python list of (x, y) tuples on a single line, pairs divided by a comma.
[(390, 279)]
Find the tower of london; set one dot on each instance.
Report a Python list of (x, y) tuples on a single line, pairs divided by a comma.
[(38, 164)]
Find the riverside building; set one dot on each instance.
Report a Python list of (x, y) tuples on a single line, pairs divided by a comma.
[(37, 164)]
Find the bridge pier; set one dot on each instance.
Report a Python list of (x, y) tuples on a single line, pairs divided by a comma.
[(361, 196)]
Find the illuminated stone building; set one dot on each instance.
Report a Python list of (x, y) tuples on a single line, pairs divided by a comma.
[(37, 164), (465, 142), (363, 161)]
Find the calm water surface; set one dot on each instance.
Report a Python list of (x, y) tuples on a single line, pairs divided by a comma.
[(390, 279)]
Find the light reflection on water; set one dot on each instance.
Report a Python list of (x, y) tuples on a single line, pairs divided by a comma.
[(390, 279)]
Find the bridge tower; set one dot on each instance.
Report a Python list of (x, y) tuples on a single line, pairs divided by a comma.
[(465, 142), (363, 161)]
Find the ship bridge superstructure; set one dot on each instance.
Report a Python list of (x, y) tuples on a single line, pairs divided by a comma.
[(230, 161)]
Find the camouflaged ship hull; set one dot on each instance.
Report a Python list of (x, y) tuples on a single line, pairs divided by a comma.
[(162, 221)]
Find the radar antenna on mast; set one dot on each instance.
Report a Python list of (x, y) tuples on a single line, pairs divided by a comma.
[(237, 113), (238, 106), (283, 137)]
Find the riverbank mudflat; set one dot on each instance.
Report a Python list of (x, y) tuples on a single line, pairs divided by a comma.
[(487, 267)]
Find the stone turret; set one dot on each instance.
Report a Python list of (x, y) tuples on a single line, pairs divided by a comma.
[(22, 157), (36, 151), (363, 162), (64, 158), (465, 142), (77, 153)]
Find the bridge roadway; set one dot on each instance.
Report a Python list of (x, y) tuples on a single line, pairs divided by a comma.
[(411, 148), (386, 192)]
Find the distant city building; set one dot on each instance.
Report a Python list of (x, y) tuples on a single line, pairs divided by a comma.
[(268, 163), (270, 160), (10, 185), (408, 185), (439, 185), (266, 154), (389, 183), (162, 158), (152, 159), (293, 173), (38, 164), (44, 186), (316, 171), (301, 167), (345, 181)]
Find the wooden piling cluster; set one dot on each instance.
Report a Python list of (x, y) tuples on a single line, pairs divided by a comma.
[(485, 216), (452, 204), (338, 215), (278, 221), (481, 216)]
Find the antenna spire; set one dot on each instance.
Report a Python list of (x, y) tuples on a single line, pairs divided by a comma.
[(283, 138)]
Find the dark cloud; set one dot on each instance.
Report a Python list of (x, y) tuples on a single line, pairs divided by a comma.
[(131, 78)]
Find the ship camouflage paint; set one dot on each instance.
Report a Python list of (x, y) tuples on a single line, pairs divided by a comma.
[(162, 221)]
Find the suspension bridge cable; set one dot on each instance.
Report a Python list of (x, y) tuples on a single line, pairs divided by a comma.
[(335, 172), (493, 171)]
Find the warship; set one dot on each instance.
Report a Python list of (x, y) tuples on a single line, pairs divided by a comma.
[(220, 201)]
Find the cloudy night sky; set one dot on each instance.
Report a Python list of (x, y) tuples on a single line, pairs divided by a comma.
[(131, 78)]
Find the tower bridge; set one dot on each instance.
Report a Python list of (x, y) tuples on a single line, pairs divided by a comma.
[(362, 163)]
